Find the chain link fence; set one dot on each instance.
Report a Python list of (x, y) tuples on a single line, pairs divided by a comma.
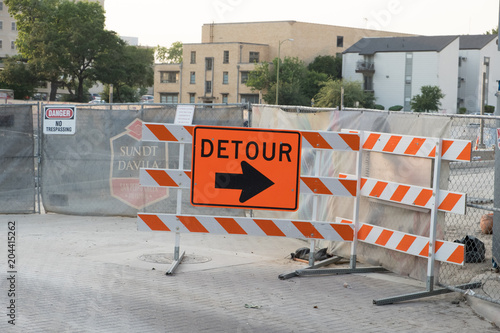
[(475, 229), (19, 134)]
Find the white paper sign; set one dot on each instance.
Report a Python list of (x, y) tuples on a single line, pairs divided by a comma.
[(184, 115)]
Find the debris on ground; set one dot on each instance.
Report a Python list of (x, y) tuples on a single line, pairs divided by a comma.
[(303, 253)]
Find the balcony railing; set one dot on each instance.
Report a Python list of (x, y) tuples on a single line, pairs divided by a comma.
[(365, 67)]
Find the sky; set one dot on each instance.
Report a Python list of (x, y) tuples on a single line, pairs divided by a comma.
[(162, 22)]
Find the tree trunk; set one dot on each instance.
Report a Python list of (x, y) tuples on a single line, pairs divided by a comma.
[(54, 85), (80, 91)]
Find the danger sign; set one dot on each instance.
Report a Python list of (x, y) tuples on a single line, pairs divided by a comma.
[(59, 119), (245, 168)]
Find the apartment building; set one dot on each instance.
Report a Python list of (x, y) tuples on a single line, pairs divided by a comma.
[(215, 70), (395, 69), (478, 71), (8, 32)]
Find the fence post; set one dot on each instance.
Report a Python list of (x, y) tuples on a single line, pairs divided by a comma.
[(495, 246)]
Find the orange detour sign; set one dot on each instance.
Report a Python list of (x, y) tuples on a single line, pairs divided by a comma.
[(245, 168)]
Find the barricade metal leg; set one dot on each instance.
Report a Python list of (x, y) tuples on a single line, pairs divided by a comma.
[(313, 270), (177, 255), (422, 294)]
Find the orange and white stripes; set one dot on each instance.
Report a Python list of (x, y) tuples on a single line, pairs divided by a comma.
[(411, 244), (245, 226), (328, 186), (330, 140), (453, 202), (312, 139), (167, 132), (308, 185), (165, 177), (452, 150)]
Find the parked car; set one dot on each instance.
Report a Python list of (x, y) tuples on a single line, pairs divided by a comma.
[(147, 99), (97, 100)]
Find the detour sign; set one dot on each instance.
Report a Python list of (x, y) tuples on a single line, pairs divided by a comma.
[(245, 168)]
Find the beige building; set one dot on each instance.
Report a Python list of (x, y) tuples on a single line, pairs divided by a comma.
[(215, 70)]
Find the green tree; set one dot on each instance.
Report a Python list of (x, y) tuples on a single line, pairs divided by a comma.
[(82, 41), (62, 40), (171, 55), (493, 31), (427, 100), (330, 94), (293, 81), (313, 83), (32, 18), (329, 65), (129, 69), (18, 76)]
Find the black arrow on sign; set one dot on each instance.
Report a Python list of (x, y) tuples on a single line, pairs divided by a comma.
[(251, 181)]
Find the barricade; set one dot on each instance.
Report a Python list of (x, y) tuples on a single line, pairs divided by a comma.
[(433, 199), (181, 179)]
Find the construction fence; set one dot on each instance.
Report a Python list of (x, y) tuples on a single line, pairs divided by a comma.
[(96, 172)]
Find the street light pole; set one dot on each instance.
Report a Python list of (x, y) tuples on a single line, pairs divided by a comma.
[(278, 67)]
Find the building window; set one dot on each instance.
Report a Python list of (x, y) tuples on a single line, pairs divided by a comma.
[(13, 45), (368, 83), (224, 98), (1, 25), (244, 77), (170, 98), (192, 98), (340, 41), (208, 87), (254, 57), (1, 5), (225, 77), (249, 98), (1, 42), (209, 63), (14, 26), (226, 57), (192, 78), (169, 77), (193, 57)]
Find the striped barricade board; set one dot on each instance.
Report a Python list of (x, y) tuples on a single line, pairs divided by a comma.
[(308, 185), (246, 226), (451, 202), (449, 252), (330, 140), (311, 139), (167, 132), (406, 145)]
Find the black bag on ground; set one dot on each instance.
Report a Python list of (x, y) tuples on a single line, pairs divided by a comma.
[(474, 249), (303, 253)]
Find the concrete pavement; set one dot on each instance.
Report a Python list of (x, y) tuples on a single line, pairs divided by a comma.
[(98, 274)]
